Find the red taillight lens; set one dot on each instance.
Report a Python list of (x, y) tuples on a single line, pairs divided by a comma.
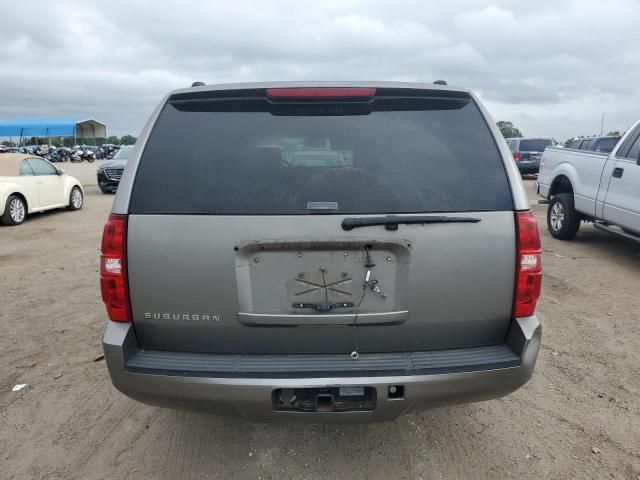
[(113, 271), (304, 93), (516, 156), (528, 266)]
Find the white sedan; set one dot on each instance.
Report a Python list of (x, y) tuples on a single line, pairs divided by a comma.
[(30, 184)]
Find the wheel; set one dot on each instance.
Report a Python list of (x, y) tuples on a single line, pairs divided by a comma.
[(15, 211), (76, 199), (562, 219), (105, 191), (91, 159)]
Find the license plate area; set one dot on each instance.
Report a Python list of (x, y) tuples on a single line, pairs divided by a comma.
[(329, 399), (308, 283)]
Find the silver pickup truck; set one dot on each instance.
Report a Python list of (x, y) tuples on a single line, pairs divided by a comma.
[(592, 186)]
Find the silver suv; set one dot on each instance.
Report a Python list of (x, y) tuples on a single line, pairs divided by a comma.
[(320, 251)]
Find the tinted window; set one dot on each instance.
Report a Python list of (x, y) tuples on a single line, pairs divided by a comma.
[(586, 144), (200, 159), (628, 141), (634, 151), (537, 145), (574, 144), (41, 167), (606, 145), (25, 169)]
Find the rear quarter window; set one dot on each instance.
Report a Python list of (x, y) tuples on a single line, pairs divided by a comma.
[(606, 145), (239, 158)]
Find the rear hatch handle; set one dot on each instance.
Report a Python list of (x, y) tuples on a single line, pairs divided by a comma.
[(391, 222)]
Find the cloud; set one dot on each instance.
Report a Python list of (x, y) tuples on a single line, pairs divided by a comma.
[(551, 67)]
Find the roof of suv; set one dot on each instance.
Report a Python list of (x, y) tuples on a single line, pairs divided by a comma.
[(370, 84)]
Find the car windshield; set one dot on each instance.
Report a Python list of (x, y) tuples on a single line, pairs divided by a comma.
[(123, 154), (534, 145)]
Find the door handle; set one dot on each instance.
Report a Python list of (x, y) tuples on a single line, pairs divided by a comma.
[(617, 172)]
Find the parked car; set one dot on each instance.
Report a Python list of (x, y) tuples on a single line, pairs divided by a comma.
[(239, 283), (527, 152), (595, 144), (593, 186), (98, 152), (30, 184), (110, 172), (110, 149)]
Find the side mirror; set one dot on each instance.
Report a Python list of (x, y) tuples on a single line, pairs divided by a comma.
[(59, 171)]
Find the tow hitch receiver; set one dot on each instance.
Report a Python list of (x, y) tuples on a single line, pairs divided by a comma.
[(332, 399)]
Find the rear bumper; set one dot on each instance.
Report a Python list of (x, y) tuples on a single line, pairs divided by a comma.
[(250, 396), (528, 167), (542, 190)]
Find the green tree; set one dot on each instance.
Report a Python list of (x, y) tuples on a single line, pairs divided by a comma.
[(128, 140), (508, 130), (614, 133), (113, 140)]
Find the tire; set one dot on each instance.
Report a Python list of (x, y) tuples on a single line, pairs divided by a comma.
[(105, 191), (91, 159), (15, 211), (76, 199), (563, 221)]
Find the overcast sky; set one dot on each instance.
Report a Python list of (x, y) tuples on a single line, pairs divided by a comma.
[(551, 67)]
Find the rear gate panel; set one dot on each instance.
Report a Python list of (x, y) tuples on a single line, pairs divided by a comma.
[(455, 281), (228, 253)]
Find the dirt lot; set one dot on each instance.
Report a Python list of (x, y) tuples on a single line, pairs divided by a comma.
[(579, 417)]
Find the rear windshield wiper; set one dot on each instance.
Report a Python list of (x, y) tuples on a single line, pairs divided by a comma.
[(391, 222)]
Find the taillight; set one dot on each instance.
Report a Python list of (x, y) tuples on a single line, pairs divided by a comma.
[(312, 93), (113, 269), (516, 156), (528, 266)]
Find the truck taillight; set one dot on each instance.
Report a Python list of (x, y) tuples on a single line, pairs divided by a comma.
[(113, 269), (528, 265), (516, 156)]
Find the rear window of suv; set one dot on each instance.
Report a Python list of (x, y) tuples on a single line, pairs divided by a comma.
[(231, 157), (537, 145)]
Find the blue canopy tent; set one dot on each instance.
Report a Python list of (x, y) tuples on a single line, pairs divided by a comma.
[(53, 128)]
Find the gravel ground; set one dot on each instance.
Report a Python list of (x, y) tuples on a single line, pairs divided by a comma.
[(579, 417)]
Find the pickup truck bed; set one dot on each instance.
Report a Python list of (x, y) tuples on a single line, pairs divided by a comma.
[(592, 186)]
